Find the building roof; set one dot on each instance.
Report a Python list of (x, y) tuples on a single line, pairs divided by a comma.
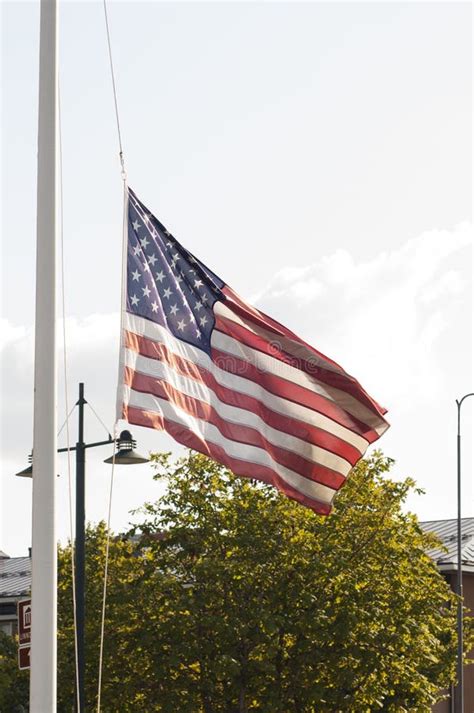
[(446, 531), (15, 576)]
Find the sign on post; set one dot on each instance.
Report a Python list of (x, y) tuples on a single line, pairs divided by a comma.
[(24, 633), (23, 657)]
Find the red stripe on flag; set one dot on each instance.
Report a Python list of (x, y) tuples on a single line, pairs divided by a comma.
[(239, 467), (235, 432), (261, 319), (315, 372), (307, 432), (292, 392)]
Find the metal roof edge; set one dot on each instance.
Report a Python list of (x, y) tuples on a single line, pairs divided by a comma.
[(448, 567)]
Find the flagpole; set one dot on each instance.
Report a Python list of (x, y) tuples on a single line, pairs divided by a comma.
[(44, 546)]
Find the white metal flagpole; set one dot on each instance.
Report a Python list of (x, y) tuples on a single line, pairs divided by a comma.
[(44, 545)]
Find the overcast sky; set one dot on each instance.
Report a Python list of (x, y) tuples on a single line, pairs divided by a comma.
[(317, 156)]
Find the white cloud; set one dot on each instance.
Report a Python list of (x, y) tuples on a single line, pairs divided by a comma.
[(9, 334), (95, 330), (92, 349), (449, 284), (92, 345), (384, 318)]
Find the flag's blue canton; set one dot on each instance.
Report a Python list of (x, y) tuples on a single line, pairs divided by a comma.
[(165, 283)]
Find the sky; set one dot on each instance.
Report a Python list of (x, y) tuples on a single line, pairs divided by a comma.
[(317, 156)]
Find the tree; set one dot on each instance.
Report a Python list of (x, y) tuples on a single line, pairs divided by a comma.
[(257, 603), (123, 623), (13, 682), (231, 598)]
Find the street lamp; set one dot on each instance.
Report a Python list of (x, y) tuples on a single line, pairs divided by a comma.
[(125, 455), (459, 696)]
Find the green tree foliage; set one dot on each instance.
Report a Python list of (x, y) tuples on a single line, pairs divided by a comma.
[(235, 599), (259, 604), (14, 683), (123, 626)]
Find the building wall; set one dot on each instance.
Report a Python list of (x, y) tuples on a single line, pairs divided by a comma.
[(468, 591), (468, 587), (442, 707)]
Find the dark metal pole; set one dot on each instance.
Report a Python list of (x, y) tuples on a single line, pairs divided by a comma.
[(80, 547), (459, 700), (79, 550), (459, 695)]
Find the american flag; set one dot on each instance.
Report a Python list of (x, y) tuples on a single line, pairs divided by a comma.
[(226, 380)]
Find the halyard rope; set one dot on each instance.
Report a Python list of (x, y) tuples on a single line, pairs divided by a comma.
[(107, 547), (104, 592), (66, 385), (124, 232), (112, 74)]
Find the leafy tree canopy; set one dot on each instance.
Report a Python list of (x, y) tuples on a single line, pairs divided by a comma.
[(13, 682), (231, 598), (236, 599)]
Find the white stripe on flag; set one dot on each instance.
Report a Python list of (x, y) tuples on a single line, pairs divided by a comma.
[(243, 417), (143, 327), (247, 453), (291, 346), (275, 367)]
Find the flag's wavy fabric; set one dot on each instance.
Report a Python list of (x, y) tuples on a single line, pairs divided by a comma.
[(225, 379)]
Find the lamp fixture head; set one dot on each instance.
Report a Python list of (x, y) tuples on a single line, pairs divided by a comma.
[(126, 453), (28, 471)]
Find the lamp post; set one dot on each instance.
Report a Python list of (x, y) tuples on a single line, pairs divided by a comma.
[(125, 455), (459, 695)]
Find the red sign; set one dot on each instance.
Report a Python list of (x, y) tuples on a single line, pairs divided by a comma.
[(24, 622), (24, 633), (23, 657)]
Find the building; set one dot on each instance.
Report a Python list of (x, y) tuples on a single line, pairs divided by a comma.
[(15, 584), (447, 562)]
